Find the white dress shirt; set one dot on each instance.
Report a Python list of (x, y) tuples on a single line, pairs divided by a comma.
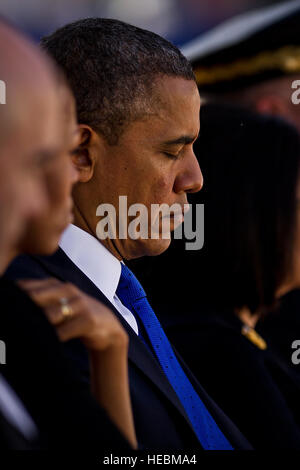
[(98, 264)]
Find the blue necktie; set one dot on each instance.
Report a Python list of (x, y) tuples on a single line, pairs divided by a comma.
[(133, 296)]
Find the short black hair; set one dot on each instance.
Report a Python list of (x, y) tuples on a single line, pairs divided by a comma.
[(112, 67)]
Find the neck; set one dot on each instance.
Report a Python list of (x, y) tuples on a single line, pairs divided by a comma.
[(247, 317), (81, 222)]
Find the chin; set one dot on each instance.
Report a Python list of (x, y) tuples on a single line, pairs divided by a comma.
[(44, 250), (51, 249), (47, 248), (149, 248)]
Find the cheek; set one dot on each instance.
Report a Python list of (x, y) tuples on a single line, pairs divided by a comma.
[(162, 189), (58, 189)]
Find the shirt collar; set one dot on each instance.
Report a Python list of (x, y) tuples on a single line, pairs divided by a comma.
[(92, 258)]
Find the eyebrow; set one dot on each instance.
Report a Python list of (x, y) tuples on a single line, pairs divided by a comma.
[(185, 139), (44, 155)]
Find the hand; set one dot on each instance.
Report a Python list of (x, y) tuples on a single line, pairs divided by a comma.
[(102, 334), (90, 320)]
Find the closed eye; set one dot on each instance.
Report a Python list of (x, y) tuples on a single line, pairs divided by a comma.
[(172, 155)]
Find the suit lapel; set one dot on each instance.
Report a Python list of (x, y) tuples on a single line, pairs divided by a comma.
[(64, 269)]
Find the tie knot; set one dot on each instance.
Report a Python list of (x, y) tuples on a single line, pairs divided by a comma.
[(129, 288)]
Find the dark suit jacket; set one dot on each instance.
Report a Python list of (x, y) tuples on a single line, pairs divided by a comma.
[(47, 382), (282, 327), (160, 420), (12, 439), (254, 387)]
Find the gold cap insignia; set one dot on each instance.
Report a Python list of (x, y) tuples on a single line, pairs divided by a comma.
[(254, 337)]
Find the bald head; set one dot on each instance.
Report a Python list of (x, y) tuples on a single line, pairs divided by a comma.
[(26, 72), (29, 130)]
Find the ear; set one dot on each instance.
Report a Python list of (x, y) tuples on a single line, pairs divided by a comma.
[(272, 104), (85, 156)]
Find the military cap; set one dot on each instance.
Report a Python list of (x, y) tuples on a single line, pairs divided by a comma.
[(248, 49)]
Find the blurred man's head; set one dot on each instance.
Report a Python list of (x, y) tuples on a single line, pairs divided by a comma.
[(29, 130), (138, 110), (44, 231)]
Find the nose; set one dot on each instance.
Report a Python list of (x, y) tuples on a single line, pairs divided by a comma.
[(74, 174), (36, 200), (190, 178)]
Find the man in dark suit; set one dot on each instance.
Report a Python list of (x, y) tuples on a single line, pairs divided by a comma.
[(138, 110)]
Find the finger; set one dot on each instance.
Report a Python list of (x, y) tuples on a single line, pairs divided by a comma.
[(55, 314), (76, 327), (36, 284), (95, 329), (52, 294)]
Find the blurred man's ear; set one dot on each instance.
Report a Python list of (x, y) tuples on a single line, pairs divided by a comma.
[(274, 105), (85, 156)]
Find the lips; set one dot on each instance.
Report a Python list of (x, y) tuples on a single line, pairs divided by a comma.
[(186, 207), (179, 215), (171, 220), (177, 220)]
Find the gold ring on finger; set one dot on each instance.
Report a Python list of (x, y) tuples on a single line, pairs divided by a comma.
[(66, 308)]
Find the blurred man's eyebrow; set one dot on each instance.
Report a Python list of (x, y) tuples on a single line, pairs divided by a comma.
[(45, 155), (185, 139)]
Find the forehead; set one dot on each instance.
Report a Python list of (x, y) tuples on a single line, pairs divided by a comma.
[(48, 131), (171, 89), (175, 112), (61, 123)]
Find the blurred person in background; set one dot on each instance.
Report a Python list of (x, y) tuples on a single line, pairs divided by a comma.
[(138, 112), (249, 259), (253, 61), (26, 145), (50, 408)]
